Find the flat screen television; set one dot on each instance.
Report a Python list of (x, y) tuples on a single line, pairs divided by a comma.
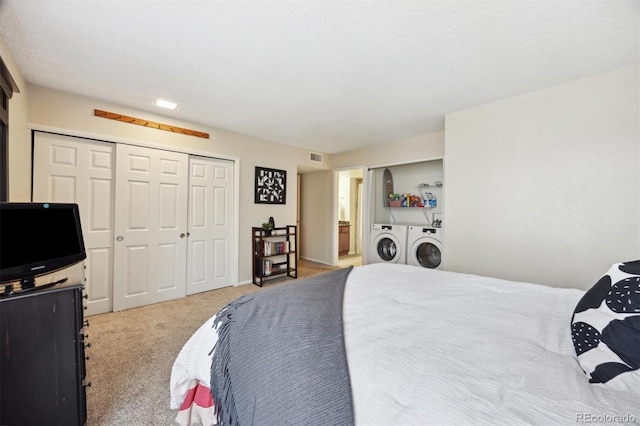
[(38, 238)]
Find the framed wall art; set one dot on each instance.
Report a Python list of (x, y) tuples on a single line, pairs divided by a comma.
[(270, 186)]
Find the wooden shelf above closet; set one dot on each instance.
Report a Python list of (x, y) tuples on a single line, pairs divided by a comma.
[(147, 123)]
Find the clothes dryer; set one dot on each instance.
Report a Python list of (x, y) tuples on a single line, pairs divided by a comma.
[(388, 243), (424, 246)]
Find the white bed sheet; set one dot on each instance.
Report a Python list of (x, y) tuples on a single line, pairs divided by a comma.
[(193, 364), (435, 347)]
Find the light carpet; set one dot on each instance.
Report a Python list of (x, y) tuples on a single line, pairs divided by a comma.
[(132, 352)]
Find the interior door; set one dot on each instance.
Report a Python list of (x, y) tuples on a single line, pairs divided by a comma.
[(211, 219), (68, 169), (150, 249)]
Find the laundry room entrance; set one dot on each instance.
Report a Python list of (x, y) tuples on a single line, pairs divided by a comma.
[(406, 213)]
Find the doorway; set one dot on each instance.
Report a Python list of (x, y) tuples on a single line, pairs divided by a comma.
[(349, 203)]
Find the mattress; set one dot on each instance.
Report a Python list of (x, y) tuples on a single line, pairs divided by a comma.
[(436, 347)]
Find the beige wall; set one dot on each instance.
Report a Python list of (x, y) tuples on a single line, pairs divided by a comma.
[(408, 150), (317, 225), (545, 187), (19, 141), (74, 115)]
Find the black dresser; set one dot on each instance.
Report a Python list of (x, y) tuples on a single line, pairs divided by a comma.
[(42, 360)]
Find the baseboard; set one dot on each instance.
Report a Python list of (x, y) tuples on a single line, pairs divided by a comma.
[(316, 261)]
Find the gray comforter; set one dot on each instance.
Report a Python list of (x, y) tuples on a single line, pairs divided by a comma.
[(280, 357)]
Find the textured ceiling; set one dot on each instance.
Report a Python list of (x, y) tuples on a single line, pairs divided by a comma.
[(326, 75)]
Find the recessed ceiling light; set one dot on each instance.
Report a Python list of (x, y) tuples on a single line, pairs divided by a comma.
[(165, 104)]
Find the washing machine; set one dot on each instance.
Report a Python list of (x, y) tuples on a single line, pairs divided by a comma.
[(424, 246), (388, 243)]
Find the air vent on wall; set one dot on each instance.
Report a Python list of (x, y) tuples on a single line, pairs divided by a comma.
[(315, 157)]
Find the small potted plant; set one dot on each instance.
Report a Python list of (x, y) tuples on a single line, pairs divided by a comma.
[(268, 227)]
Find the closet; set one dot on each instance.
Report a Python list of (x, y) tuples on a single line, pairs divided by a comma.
[(157, 224)]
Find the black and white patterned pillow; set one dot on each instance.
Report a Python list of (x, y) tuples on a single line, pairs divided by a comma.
[(606, 328)]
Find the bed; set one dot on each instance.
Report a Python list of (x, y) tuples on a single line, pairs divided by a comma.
[(434, 347)]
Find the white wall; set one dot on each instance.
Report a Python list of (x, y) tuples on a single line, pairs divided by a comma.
[(71, 114), (545, 187), (344, 195)]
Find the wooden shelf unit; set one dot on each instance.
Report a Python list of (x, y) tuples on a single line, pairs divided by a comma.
[(274, 253)]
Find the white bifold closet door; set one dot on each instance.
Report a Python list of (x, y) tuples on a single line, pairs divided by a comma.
[(74, 170), (210, 224), (150, 249), (157, 224)]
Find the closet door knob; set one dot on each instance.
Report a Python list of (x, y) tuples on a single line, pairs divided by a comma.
[(119, 238), (183, 235)]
